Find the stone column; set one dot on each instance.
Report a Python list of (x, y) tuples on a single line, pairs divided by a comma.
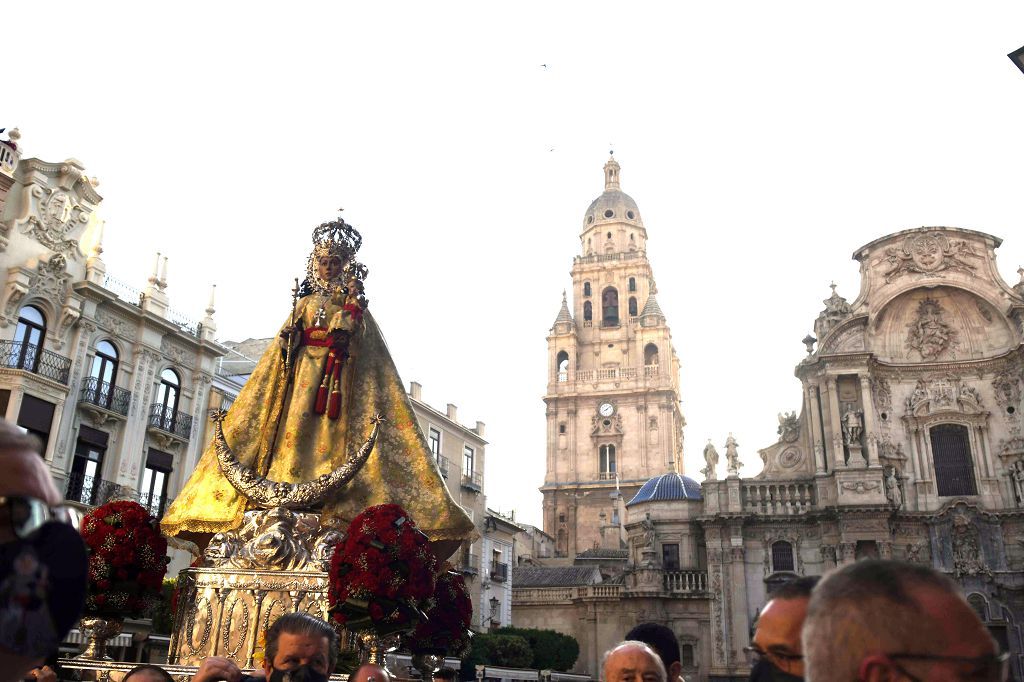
[(573, 426), (738, 615), (835, 424), (869, 419), (817, 438)]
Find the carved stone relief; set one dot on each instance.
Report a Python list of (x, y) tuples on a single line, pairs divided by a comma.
[(928, 254), (929, 334), (179, 355), (944, 392)]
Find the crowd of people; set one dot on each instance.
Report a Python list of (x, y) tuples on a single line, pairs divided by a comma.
[(869, 621)]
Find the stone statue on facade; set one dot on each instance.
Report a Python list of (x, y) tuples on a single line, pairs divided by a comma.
[(731, 456), (893, 487), (967, 557), (1016, 474), (853, 426), (650, 536), (789, 427), (711, 459)]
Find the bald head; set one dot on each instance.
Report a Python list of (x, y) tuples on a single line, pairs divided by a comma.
[(368, 672), (632, 661)]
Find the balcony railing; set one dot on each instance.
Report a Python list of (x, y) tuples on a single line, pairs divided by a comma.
[(32, 358), (605, 257), (92, 490), (171, 421), (473, 481), (444, 465), (685, 581), (499, 572), (469, 563), (102, 394), (781, 498), (648, 372), (154, 503)]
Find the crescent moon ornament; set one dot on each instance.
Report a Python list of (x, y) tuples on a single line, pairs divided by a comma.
[(264, 492)]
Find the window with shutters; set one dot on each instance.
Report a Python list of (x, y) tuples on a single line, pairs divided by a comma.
[(782, 556), (954, 466)]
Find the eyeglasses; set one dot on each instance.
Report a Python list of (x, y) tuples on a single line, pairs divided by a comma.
[(26, 515), (994, 668), (783, 659)]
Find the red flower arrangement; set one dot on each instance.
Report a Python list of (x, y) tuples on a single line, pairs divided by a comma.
[(383, 574), (127, 560), (449, 615)]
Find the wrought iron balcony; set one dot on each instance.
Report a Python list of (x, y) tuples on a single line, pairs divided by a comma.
[(102, 394), (170, 421), (93, 490), (499, 572), (32, 358), (469, 563), (473, 481), (155, 503)]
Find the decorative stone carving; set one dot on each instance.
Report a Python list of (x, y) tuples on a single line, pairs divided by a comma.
[(711, 459), (967, 556), (612, 427), (116, 325), (789, 427), (889, 452), (275, 539), (1016, 474), (828, 554), (928, 254), (853, 426), (945, 392), (929, 334), (180, 356), (837, 309), (882, 394), (916, 554), (893, 487), (1007, 388), (50, 281), (860, 487)]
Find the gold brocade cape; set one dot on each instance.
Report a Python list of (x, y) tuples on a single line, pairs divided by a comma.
[(400, 470)]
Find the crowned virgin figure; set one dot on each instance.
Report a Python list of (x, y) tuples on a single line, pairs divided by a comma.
[(306, 411)]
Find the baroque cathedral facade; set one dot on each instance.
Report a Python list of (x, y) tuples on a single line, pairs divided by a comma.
[(908, 445)]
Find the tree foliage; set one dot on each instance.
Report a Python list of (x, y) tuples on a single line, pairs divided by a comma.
[(551, 650), (501, 650)]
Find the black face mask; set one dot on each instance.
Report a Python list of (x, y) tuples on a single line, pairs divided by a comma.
[(42, 589), (301, 674), (765, 671)]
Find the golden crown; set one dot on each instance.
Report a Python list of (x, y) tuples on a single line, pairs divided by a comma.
[(337, 238)]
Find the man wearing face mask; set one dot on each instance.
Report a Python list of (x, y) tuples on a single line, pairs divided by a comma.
[(42, 559), (775, 651), (299, 648)]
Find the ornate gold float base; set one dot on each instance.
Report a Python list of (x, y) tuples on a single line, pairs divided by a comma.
[(274, 564)]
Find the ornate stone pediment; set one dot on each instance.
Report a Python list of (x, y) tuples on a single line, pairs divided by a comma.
[(943, 393), (845, 338), (929, 253)]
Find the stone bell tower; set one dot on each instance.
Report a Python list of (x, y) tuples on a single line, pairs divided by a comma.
[(613, 414)]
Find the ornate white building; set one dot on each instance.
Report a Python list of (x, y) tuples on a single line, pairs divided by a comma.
[(111, 379), (908, 445)]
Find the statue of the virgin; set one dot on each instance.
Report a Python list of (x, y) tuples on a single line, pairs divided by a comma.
[(307, 409)]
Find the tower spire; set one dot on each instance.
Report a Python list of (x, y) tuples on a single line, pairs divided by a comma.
[(611, 173)]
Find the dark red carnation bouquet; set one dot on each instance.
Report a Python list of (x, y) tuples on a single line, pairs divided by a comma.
[(382, 574), (127, 560), (449, 615)]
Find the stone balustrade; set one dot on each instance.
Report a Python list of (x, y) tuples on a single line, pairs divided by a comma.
[(681, 582), (778, 498), (647, 372)]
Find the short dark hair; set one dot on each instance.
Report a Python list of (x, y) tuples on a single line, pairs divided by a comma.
[(660, 638), (446, 674), (798, 588), (302, 624), (148, 666)]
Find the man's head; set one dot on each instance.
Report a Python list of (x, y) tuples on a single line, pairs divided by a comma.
[(632, 661), (663, 641), (369, 672), (299, 639), (147, 673), (776, 641), (22, 470), (885, 620)]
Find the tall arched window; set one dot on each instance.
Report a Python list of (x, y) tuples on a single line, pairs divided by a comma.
[(588, 311), (610, 307), (586, 288), (782, 556), (651, 354), (607, 456), (632, 280), (954, 467), (103, 374), (632, 306), (167, 397), (562, 360), (28, 337)]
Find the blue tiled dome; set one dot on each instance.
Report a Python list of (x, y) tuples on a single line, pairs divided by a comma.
[(670, 486)]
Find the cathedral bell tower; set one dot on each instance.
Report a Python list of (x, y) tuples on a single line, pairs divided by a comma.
[(613, 415)]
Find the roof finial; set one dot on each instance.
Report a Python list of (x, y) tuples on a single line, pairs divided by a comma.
[(611, 174)]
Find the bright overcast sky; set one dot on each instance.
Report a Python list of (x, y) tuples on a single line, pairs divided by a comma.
[(763, 142)]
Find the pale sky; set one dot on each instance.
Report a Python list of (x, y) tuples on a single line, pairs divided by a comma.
[(763, 143)]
